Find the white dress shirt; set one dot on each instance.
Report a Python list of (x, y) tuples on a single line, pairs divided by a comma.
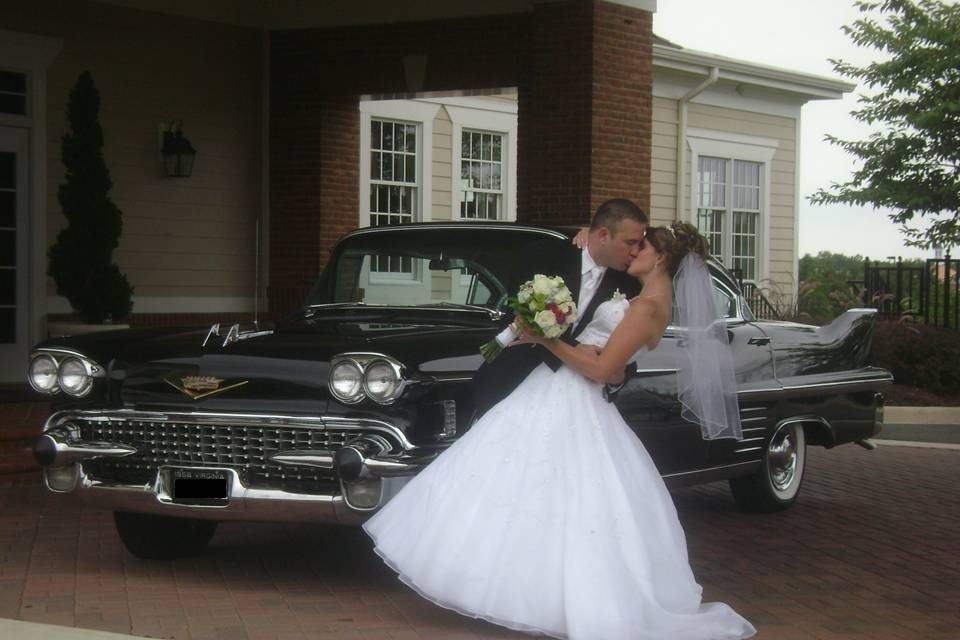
[(590, 276)]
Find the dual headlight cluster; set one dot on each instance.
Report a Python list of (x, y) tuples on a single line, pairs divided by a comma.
[(357, 376), (71, 373)]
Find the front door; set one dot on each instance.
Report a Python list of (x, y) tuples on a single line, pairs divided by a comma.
[(14, 334)]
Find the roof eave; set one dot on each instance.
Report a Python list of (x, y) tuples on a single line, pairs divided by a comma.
[(811, 86)]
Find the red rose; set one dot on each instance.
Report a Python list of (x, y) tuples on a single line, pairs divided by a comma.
[(557, 313)]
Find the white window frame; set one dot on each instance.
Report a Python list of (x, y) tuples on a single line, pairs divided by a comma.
[(414, 112), (735, 146), (484, 116)]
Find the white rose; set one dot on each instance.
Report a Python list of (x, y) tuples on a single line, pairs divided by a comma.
[(553, 332), (542, 285), (568, 308), (563, 295), (545, 319), (524, 295)]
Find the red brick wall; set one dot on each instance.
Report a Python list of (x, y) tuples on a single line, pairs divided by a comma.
[(622, 104), (317, 76), (554, 127), (582, 70)]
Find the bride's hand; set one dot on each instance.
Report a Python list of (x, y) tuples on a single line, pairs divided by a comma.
[(580, 240), (526, 334)]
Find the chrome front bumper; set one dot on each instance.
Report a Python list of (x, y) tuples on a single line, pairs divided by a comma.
[(368, 477)]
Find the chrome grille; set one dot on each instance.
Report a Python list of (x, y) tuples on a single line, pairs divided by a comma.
[(245, 448)]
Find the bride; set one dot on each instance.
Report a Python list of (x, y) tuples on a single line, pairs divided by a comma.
[(548, 516)]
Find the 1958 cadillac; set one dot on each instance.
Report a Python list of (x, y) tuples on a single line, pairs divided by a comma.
[(323, 417)]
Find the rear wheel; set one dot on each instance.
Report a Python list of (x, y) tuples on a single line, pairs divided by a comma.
[(776, 484), (153, 537)]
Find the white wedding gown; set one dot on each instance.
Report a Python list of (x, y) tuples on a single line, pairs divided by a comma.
[(548, 516)]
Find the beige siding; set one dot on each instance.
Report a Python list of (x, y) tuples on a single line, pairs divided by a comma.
[(182, 237), (442, 163), (663, 161)]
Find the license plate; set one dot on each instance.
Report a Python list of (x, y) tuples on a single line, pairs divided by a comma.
[(200, 486)]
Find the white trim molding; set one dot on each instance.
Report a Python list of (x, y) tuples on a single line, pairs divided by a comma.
[(33, 54), (735, 146), (806, 85), (415, 112), (500, 120)]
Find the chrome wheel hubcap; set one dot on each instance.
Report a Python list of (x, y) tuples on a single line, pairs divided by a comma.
[(782, 458)]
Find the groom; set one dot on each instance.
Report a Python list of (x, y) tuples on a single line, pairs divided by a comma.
[(592, 274)]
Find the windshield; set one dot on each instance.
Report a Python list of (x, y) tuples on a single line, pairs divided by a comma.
[(445, 266)]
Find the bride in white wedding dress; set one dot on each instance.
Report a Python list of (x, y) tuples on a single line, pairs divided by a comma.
[(548, 516)]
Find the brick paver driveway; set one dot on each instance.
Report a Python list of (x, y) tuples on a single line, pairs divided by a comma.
[(872, 551)]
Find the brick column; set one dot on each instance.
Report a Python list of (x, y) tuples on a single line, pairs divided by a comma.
[(585, 116)]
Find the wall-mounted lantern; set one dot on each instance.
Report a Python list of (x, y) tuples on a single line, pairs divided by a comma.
[(178, 154)]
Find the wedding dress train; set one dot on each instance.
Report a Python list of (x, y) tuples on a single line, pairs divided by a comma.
[(548, 516)]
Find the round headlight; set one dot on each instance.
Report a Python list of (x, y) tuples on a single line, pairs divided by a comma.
[(346, 381), (43, 374), (381, 381), (74, 377)]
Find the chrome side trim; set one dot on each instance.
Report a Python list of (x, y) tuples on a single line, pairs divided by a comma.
[(735, 465), (866, 382), (749, 429), (745, 410), (748, 450), (239, 419), (758, 419)]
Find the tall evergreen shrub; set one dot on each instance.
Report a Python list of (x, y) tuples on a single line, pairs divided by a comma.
[(81, 259)]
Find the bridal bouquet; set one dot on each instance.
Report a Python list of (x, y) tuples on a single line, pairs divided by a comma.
[(544, 303)]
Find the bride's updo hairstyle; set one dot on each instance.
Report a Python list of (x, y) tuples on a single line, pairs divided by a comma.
[(677, 240)]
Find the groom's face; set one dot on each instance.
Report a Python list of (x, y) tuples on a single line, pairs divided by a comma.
[(619, 247)]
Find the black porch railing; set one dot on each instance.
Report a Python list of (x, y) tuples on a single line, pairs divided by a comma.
[(928, 292), (759, 304)]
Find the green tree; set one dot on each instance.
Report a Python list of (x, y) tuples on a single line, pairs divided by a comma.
[(912, 165), (825, 291), (81, 259)]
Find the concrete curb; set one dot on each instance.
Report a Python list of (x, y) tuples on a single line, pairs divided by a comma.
[(922, 415), (20, 630)]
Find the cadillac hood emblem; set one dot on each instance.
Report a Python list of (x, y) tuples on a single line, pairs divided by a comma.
[(201, 386)]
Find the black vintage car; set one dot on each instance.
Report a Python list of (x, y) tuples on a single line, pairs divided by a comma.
[(323, 417)]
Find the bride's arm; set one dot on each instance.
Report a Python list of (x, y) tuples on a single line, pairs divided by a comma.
[(638, 327)]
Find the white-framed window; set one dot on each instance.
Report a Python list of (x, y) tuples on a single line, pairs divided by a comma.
[(395, 150), (481, 175), (484, 158), (731, 196)]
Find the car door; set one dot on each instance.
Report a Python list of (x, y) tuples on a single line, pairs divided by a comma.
[(649, 401), (649, 405), (753, 358)]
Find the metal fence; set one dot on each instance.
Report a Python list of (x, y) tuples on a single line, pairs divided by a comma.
[(928, 293)]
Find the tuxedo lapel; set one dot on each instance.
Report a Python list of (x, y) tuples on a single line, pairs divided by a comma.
[(573, 264)]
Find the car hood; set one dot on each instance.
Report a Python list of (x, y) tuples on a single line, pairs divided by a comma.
[(283, 370)]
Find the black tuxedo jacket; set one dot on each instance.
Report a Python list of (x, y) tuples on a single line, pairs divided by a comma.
[(494, 381)]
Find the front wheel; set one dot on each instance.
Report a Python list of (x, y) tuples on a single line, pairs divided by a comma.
[(153, 537), (776, 484)]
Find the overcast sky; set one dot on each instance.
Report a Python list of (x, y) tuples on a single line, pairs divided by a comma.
[(799, 35)]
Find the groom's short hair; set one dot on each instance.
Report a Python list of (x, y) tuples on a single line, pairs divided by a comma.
[(613, 212)]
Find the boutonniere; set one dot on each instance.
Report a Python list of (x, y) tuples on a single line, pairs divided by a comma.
[(617, 296)]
